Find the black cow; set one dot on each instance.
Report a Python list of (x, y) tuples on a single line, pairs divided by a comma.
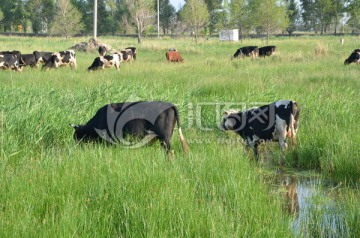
[(353, 58), (10, 60), (247, 51), (272, 122), (144, 120), (106, 61), (267, 50), (42, 57), (28, 60), (133, 50)]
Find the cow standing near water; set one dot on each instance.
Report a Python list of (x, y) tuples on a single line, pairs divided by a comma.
[(273, 122), (145, 120)]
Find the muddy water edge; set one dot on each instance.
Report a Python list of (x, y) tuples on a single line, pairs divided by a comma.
[(317, 206)]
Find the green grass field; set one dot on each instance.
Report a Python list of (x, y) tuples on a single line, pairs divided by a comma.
[(50, 186)]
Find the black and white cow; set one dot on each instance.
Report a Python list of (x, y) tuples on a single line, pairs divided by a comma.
[(144, 120), (353, 58), (28, 60), (273, 122), (62, 58), (267, 50), (10, 60), (42, 57), (252, 51), (127, 55), (133, 50), (106, 61)]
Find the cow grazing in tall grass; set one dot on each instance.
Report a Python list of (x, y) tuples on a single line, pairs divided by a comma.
[(145, 120), (353, 58)]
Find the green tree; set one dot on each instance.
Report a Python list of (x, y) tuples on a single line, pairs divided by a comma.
[(195, 14), (353, 10), (308, 14), (268, 16), (167, 15), (239, 16), (67, 20), (293, 15), (217, 14), (86, 9), (141, 15)]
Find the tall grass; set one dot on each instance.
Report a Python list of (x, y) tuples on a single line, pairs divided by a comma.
[(59, 187)]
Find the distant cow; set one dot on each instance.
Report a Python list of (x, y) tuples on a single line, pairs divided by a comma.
[(127, 55), (10, 60), (266, 50), (173, 56), (102, 50), (133, 50), (248, 51), (143, 120), (353, 58), (106, 61), (62, 58), (42, 57), (28, 60), (272, 122)]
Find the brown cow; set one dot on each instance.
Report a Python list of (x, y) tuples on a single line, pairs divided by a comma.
[(174, 56)]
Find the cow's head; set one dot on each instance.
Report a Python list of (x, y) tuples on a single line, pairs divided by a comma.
[(80, 133), (231, 120)]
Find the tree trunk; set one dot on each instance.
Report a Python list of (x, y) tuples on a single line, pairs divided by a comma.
[(139, 38)]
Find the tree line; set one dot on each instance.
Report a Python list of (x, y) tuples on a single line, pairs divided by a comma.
[(70, 17)]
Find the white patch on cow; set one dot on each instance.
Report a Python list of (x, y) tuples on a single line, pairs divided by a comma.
[(230, 111), (282, 102), (280, 131), (230, 123)]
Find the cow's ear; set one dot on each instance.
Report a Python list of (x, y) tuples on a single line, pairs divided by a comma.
[(74, 126)]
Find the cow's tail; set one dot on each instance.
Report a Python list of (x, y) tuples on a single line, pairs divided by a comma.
[(184, 144), (294, 121)]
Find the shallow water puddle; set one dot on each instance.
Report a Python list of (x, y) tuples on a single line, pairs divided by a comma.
[(314, 204)]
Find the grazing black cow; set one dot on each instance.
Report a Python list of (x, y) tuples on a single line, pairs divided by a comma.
[(62, 58), (144, 120), (42, 57), (28, 60), (266, 50), (10, 60), (272, 122), (106, 61), (133, 50), (353, 58), (252, 51)]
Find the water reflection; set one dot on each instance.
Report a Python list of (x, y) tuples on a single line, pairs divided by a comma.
[(313, 203)]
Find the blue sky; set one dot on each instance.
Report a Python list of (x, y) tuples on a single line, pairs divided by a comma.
[(177, 3)]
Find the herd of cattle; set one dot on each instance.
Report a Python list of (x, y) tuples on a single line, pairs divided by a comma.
[(15, 60), (156, 119)]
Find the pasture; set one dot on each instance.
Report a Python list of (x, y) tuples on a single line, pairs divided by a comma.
[(51, 186)]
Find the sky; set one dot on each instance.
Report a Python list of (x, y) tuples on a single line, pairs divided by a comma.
[(177, 3)]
